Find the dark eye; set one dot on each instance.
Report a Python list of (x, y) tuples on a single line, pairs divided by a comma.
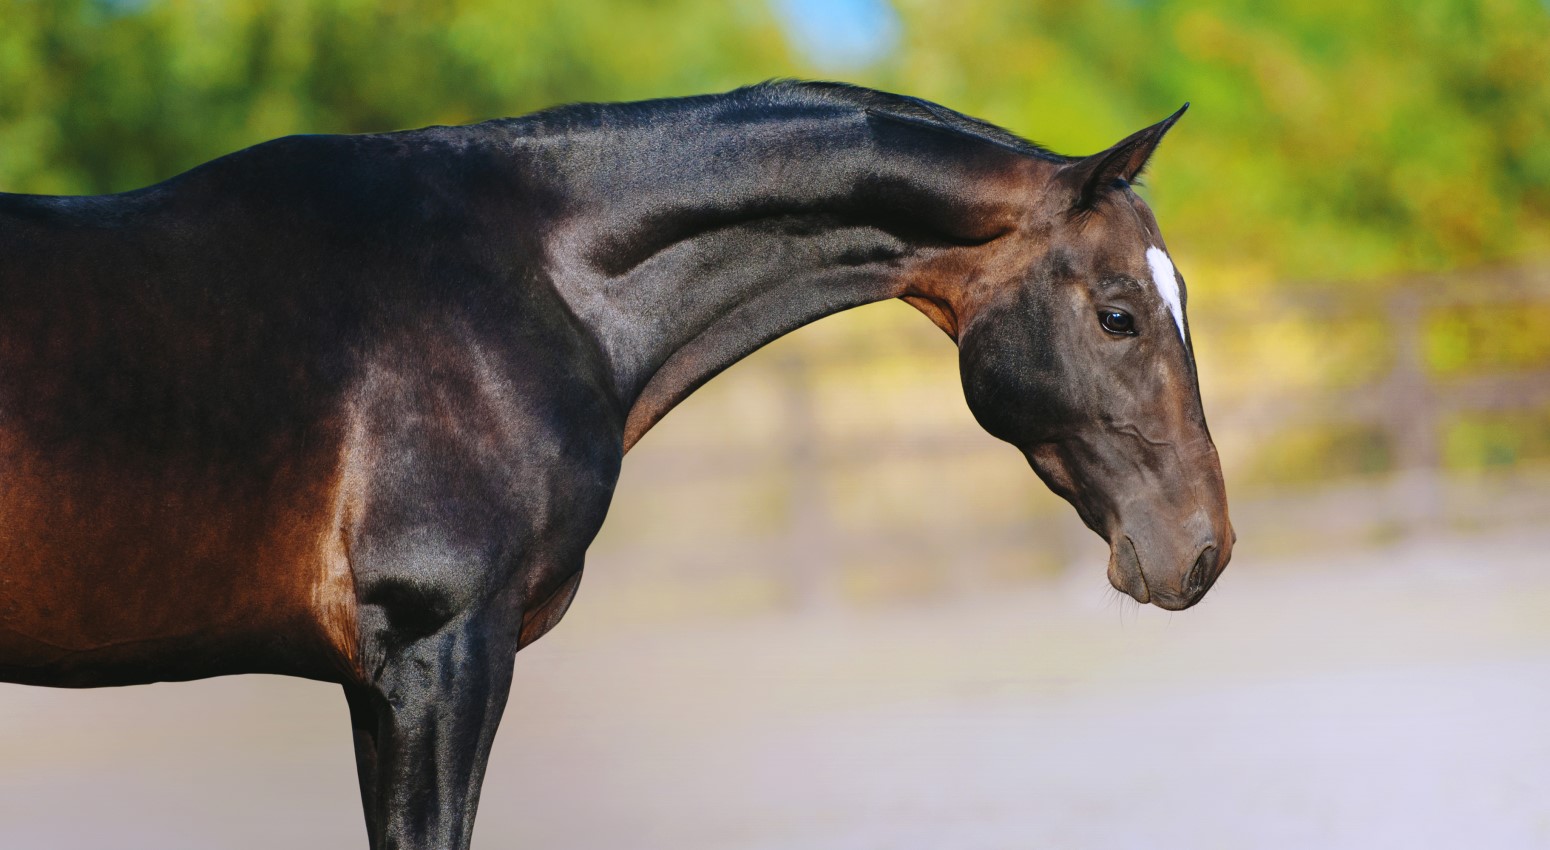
[(1117, 322)]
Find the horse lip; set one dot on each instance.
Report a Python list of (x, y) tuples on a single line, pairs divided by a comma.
[(1126, 566), (1173, 603)]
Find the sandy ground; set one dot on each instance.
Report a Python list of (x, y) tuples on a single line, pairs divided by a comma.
[(1387, 698)]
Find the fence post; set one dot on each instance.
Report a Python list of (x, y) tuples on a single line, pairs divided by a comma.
[(809, 541), (1412, 419)]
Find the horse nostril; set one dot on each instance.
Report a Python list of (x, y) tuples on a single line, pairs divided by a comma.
[(1199, 577)]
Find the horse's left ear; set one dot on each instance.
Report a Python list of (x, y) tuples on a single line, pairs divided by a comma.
[(1092, 176)]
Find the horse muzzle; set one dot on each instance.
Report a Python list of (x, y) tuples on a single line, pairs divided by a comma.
[(1171, 577)]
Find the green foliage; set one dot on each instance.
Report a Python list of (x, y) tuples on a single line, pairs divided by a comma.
[(1489, 338), (1484, 441), (100, 96), (1315, 454), (1328, 139)]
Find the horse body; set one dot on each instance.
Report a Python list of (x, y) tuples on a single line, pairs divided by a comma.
[(353, 408), (201, 383)]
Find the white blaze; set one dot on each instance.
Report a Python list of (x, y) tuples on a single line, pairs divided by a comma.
[(1167, 284)]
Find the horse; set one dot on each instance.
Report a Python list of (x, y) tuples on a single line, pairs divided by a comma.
[(352, 408)]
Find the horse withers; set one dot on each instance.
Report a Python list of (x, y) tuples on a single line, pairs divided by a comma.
[(353, 407)]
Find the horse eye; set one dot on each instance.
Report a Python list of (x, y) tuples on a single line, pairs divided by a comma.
[(1117, 322)]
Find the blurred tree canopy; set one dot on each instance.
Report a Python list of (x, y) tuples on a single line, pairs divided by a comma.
[(108, 95), (1328, 139)]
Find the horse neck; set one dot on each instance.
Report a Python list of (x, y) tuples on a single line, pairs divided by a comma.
[(683, 244)]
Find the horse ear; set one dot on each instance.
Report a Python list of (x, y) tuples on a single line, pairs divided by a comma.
[(1092, 176)]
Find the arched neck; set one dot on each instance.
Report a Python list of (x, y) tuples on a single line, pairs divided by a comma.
[(685, 242)]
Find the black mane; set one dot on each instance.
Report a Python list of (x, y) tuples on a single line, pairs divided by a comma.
[(899, 106), (777, 93)]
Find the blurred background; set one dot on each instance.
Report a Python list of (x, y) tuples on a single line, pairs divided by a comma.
[(827, 610)]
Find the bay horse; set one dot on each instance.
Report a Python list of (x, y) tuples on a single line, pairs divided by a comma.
[(352, 408)]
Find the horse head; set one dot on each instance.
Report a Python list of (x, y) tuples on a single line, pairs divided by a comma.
[(1078, 352)]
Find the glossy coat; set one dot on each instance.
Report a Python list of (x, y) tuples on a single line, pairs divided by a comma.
[(353, 407)]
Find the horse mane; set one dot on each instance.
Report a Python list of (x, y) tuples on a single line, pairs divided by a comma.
[(776, 93), (905, 107)]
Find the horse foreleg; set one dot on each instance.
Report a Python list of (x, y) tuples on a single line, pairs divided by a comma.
[(363, 722), (423, 730)]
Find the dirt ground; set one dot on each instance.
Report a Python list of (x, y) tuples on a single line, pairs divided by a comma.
[(1395, 697)]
